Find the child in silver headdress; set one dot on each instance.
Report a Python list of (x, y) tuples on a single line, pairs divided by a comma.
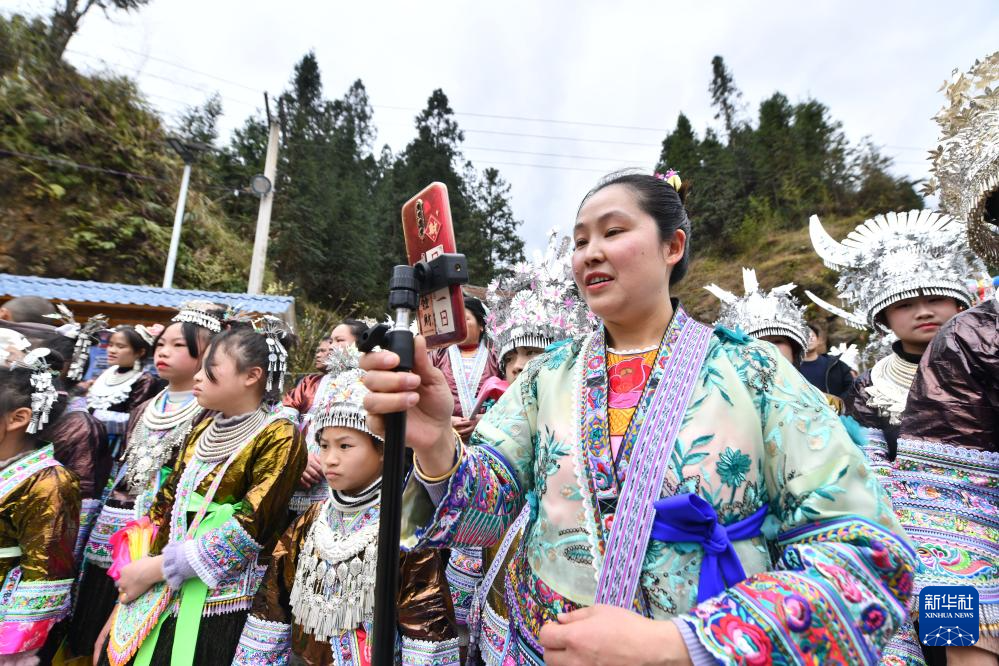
[(316, 602)]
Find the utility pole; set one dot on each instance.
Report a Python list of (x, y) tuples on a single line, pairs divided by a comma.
[(264, 187), (188, 152)]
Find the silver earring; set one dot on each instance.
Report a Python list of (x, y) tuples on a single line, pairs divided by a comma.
[(137, 365)]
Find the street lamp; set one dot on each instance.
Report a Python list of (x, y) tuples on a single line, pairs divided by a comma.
[(188, 151)]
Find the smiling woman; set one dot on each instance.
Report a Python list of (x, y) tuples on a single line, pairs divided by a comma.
[(669, 506)]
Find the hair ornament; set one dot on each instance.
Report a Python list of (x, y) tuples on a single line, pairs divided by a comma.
[(84, 337), (43, 392), (201, 313), (671, 177), (274, 330)]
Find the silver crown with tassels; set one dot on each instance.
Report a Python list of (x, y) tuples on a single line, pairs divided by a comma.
[(344, 405)]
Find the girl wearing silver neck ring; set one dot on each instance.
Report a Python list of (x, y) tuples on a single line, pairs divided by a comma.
[(156, 431), (218, 514), (316, 602)]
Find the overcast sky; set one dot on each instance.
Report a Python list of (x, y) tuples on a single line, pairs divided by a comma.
[(598, 84)]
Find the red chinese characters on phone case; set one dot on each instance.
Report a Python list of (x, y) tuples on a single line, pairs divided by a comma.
[(429, 233)]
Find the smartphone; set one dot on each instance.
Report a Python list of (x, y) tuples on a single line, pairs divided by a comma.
[(427, 228)]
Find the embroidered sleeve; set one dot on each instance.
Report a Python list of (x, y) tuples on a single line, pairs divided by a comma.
[(415, 652), (486, 492), (218, 552), (290, 413), (263, 643), (840, 587), (30, 611)]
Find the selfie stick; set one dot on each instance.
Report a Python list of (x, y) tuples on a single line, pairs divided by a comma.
[(408, 283)]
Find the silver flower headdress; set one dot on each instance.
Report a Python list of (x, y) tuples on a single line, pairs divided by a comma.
[(761, 313), (84, 335), (344, 405), (539, 303), (892, 257), (274, 330), (43, 392), (965, 165), (201, 313), (342, 359)]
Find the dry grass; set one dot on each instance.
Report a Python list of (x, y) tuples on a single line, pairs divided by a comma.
[(779, 257)]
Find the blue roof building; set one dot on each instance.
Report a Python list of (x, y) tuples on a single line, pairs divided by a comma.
[(135, 304)]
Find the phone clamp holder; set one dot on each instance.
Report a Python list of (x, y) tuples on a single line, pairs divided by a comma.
[(406, 286)]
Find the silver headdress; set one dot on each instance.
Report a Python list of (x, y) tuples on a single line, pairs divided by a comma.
[(84, 337), (147, 334), (965, 166), (761, 313), (43, 393), (896, 256), (342, 359), (539, 304), (344, 405), (201, 313), (277, 355)]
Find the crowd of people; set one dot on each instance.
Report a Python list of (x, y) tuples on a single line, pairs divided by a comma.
[(596, 476)]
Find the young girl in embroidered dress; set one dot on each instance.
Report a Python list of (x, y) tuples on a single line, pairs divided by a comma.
[(124, 384), (218, 513), (303, 402), (692, 498), (315, 604), (39, 507), (155, 433)]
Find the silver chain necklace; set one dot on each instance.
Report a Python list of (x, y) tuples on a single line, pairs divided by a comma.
[(155, 439), (220, 441)]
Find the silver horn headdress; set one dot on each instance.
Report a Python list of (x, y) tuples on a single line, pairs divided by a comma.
[(895, 256), (965, 166), (759, 313)]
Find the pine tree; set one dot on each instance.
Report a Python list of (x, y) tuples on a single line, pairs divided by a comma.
[(725, 95), (504, 248), (681, 150)]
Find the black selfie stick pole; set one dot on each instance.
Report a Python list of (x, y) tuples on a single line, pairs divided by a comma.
[(408, 283)]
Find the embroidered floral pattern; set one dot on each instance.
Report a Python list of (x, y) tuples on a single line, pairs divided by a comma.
[(263, 643), (221, 552), (827, 583), (414, 652)]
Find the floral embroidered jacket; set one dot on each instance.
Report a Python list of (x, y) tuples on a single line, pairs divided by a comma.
[(945, 480), (828, 580), (259, 482), (39, 510)]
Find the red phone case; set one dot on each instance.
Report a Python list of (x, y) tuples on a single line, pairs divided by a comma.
[(426, 225)]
